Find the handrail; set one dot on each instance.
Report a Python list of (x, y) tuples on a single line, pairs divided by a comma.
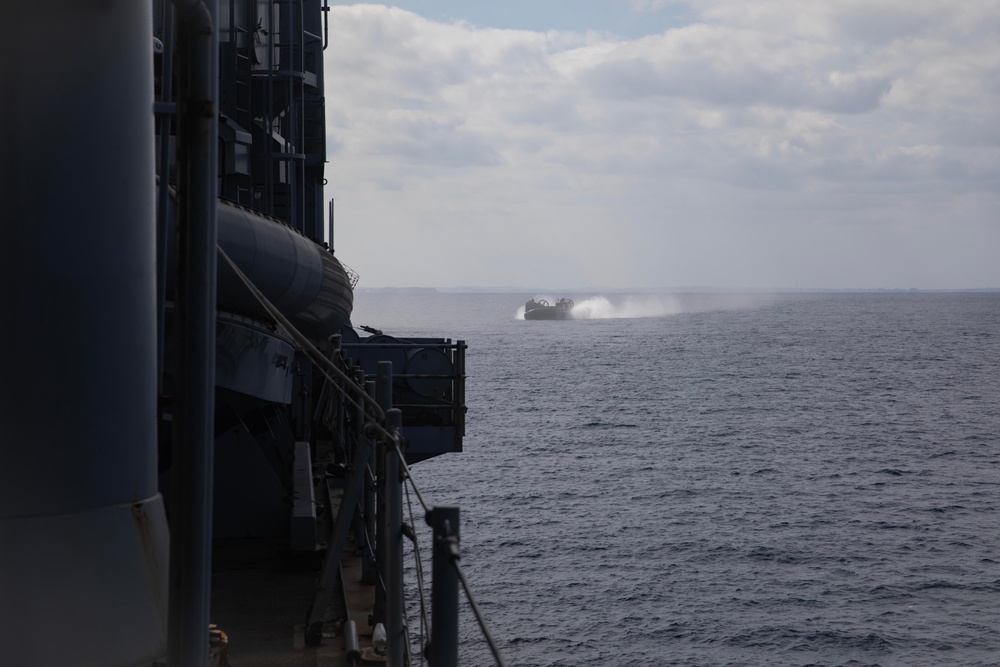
[(376, 425), (447, 548)]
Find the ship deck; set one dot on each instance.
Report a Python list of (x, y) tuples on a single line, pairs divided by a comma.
[(261, 597)]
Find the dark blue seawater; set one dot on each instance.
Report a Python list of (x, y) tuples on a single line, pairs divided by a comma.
[(806, 479)]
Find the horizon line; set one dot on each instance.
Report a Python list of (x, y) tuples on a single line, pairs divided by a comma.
[(514, 289)]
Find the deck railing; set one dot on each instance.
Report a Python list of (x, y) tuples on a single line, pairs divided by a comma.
[(361, 414)]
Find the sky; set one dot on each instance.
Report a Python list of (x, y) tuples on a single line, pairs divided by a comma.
[(647, 144)]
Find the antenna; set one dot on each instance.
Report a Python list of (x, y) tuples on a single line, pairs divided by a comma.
[(329, 226)]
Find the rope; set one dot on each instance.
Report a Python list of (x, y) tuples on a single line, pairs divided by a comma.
[(424, 622), (301, 341), (406, 642), (409, 478), (479, 614), (325, 365), (368, 542)]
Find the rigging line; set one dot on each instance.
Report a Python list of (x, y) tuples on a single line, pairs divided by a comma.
[(381, 430), (378, 574), (419, 569), (409, 650), (325, 364), (304, 343), (408, 658), (413, 483), (371, 549), (318, 358), (330, 393), (392, 436), (477, 612)]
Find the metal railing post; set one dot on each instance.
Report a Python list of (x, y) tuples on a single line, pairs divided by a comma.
[(336, 544), (368, 570), (393, 531), (194, 330), (460, 348), (444, 591), (165, 128), (338, 430), (383, 385), (357, 432), (383, 396)]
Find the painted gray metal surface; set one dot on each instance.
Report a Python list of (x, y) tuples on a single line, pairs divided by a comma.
[(428, 385), (82, 527), (302, 279), (335, 548), (302, 527), (383, 396), (250, 478), (306, 283), (444, 520), (393, 531), (248, 359), (368, 569), (194, 363)]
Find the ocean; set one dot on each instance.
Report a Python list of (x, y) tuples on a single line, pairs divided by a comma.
[(724, 479)]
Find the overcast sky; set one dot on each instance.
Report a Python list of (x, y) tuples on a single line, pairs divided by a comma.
[(664, 143)]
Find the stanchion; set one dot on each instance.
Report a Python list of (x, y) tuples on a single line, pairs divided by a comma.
[(444, 594), (393, 531), (383, 396)]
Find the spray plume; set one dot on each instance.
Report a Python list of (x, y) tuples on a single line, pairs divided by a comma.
[(601, 308)]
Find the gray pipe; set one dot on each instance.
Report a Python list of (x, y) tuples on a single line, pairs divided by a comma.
[(352, 648), (368, 565), (163, 187), (383, 395), (444, 597), (194, 374), (394, 626), (82, 528), (303, 281)]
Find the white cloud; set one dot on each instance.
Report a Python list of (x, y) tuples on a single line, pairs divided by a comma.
[(719, 152)]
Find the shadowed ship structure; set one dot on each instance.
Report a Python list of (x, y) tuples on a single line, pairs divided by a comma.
[(195, 432)]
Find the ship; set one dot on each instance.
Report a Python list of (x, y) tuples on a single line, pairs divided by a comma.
[(203, 459), (541, 310)]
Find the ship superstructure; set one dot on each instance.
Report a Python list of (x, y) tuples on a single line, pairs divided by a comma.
[(185, 370)]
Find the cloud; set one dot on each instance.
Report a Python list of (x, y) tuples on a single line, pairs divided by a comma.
[(427, 142), (587, 158), (708, 69)]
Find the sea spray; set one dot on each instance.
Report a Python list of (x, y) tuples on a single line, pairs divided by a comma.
[(599, 307), (657, 305)]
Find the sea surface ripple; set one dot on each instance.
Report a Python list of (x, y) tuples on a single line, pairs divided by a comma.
[(807, 479)]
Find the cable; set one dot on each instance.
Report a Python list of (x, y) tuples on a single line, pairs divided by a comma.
[(424, 622), (303, 343), (406, 471), (335, 375), (478, 614)]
